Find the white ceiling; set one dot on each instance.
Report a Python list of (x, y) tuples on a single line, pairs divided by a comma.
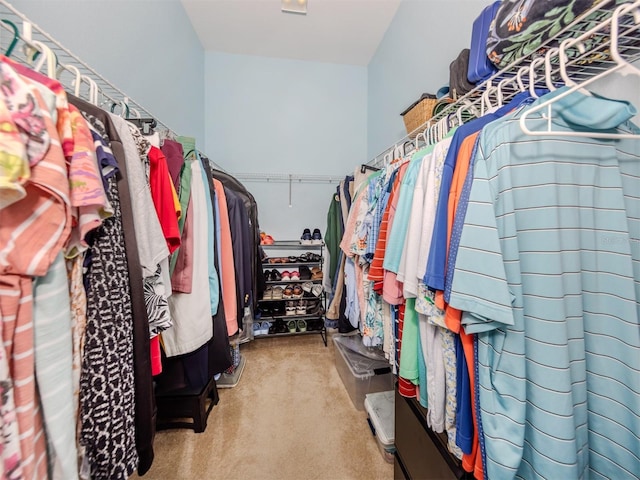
[(334, 31)]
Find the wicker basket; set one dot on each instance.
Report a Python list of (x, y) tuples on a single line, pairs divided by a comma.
[(419, 112)]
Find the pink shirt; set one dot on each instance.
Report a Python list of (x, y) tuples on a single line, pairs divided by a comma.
[(227, 274)]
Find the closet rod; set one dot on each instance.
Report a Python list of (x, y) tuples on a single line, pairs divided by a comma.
[(31, 32), (286, 178), (585, 61)]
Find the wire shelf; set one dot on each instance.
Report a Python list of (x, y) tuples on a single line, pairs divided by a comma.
[(29, 37), (588, 42)]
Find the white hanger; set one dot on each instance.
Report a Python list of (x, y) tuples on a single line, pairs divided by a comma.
[(417, 139), (46, 55), (93, 89), (547, 68), (425, 134), (563, 59), (622, 66), (532, 75), (485, 101), (444, 127), (501, 85), (77, 81), (521, 71)]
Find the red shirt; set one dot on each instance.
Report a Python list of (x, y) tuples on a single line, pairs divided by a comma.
[(160, 183)]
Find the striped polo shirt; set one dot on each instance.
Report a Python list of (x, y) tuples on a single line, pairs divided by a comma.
[(548, 274)]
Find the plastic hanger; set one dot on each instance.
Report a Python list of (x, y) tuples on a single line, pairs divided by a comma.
[(622, 66), (532, 75), (14, 40), (123, 106), (404, 147), (547, 68), (77, 81), (47, 57), (93, 89), (485, 101), (521, 71)]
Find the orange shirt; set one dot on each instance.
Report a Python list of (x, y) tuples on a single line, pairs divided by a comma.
[(470, 462)]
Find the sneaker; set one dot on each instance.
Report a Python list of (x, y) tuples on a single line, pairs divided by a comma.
[(287, 292), (316, 238), (297, 292), (278, 309), (317, 289), (291, 325), (305, 239), (267, 276), (275, 275), (277, 293), (257, 329), (301, 308), (268, 294), (307, 286), (264, 328), (285, 276), (294, 275), (302, 325), (290, 308)]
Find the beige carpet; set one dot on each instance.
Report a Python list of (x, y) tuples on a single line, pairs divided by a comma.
[(290, 417)]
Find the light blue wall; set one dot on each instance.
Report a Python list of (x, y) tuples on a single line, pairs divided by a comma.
[(268, 115), (148, 49), (413, 58)]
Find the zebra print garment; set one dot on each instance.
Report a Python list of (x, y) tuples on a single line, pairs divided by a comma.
[(155, 300)]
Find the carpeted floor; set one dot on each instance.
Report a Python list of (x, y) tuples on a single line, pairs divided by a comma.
[(289, 418)]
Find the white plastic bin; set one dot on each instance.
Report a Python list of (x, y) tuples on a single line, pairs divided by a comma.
[(359, 373), (380, 408)]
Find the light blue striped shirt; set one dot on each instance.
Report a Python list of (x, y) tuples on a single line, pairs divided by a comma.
[(548, 274)]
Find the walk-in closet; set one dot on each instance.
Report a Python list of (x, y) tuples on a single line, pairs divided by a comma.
[(320, 239)]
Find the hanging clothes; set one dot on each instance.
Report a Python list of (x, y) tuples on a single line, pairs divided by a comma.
[(593, 167), (191, 312)]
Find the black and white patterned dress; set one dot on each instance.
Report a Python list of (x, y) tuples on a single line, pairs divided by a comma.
[(107, 391)]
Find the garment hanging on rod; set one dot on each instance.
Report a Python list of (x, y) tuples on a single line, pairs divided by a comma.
[(567, 108)]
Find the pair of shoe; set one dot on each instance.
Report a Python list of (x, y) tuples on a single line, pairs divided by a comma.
[(296, 308), (273, 293), (291, 291), (261, 328), (289, 276), (313, 288), (297, 325), (309, 238), (272, 275)]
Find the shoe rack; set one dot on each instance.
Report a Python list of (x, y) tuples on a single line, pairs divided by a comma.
[(293, 304)]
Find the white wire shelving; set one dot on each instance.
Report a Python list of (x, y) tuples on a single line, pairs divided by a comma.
[(30, 37), (586, 58)]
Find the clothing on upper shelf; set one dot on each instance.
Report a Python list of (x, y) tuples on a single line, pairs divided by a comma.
[(505, 254)]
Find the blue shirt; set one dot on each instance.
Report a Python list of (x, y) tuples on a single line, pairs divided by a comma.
[(548, 275), (214, 285), (434, 276), (461, 210), (398, 232)]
